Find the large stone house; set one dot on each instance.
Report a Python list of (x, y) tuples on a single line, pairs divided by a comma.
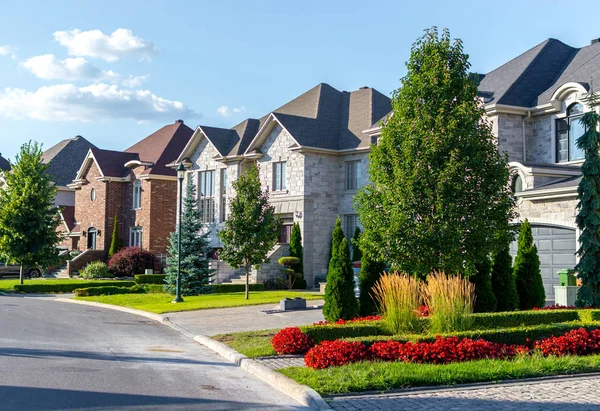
[(134, 185), (312, 154)]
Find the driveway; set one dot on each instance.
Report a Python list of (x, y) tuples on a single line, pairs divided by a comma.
[(56, 356)]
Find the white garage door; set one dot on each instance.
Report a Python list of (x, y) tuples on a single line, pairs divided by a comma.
[(556, 247)]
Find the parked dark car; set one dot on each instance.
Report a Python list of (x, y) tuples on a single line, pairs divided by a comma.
[(13, 270)]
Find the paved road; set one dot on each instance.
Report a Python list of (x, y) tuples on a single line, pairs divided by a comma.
[(558, 394), (57, 356)]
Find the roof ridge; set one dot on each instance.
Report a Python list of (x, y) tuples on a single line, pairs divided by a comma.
[(519, 55)]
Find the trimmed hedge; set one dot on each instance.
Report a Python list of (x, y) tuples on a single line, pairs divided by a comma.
[(69, 286), (150, 278), (519, 318), (109, 290), (234, 288), (332, 331), (154, 288)]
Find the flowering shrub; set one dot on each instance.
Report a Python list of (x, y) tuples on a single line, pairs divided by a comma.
[(334, 353), (355, 320), (291, 340), (130, 261), (575, 342)]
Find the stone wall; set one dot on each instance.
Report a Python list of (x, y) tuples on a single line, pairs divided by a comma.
[(539, 144), (508, 128), (560, 211)]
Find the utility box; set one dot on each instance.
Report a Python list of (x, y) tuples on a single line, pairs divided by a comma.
[(565, 295), (567, 277)]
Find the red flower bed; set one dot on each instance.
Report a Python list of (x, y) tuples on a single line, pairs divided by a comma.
[(355, 320), (575, 342), (291, 340), (424, 311), (334, 353)]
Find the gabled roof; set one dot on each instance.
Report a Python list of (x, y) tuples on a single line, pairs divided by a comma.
[(162, 147), (112, 163), (4, 164), (65, 158), (68, 216)]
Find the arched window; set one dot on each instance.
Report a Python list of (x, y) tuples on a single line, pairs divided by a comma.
[(568, 130), (517, 184), (137, 194)]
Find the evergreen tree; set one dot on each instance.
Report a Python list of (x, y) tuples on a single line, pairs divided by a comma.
[(370, 271), (528, 277), (340, 302), (439, 198), (503, 281), (252, 228), (296, 250), (195, 245), (116, 242), (588, 218), (485, 300), (356, 252), (28, 217)]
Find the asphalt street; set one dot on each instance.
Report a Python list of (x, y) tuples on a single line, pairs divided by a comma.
[(58, 356)]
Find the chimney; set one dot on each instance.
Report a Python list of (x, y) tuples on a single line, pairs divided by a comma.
[(76, 137), (179, 121), (364, 87), (594, 41)]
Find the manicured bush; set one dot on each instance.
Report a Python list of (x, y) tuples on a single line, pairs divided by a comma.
[(68, 287), (94, 270), (398, 297), (131, 260), (354, 320), (276, 283), (233, 288), (296, 249), (485, 300), (518, 318), (109, 290), (334, 353), (370, 271), (503, 281), (291, 341), (154, 288), (116, 242), (332, 331), (450, 302), (289, 261), (299, 284), (528, 277), (150, 278)]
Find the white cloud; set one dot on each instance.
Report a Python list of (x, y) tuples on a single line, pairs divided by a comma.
[(134, 81), (67, 102), (227, 112), (5, 50), (94, 43)]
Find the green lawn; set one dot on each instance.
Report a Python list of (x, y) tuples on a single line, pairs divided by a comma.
[(250, 343), (382, 376), (7, 285), (161, 303)]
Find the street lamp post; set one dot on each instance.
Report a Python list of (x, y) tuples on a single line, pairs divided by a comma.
[(180, 175)]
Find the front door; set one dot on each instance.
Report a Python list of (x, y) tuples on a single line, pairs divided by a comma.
[(92, 232)]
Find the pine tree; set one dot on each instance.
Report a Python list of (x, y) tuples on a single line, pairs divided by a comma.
[(195, 245), (116, 242), (370, 271), (28, 216), (528, 277), (252, 228), (485, 300), (296, 250), (503, 281), (439, 198), (356, 252), (588, 218), (340, 301)]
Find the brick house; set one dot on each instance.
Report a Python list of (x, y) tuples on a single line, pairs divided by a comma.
[(136, 186), (312, 153)]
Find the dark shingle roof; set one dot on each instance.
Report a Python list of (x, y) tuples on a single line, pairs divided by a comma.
[(68, 214), (65, 158), (564, 183), (112, 163), (4, 164)]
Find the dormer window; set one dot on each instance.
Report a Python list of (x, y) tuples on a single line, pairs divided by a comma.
[(568, 130), (137, 194)]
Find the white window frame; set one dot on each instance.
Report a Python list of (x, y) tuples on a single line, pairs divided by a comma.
[(206, 196), (136, 236), (137, 195), (280, 176), (351, 175)]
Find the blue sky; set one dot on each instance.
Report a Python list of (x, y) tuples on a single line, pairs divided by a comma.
[(115, 71)]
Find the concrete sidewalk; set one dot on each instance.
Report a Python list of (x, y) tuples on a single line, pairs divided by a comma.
[(249, 318)]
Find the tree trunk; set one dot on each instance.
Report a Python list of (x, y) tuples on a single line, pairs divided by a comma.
[(247, 281), (21, 274)]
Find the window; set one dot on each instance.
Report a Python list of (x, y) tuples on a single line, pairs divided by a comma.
[(137, 194), (206, 196), (286, 229), (135, 236), (350, 224), (279, 170), (517, 184), (568, 130), (223, 205), (352, 175), (93, 195)]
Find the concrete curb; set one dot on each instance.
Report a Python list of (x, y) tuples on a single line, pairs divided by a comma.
[(301, 393)]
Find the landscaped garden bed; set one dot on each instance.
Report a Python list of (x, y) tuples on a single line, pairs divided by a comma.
[(57, 285)]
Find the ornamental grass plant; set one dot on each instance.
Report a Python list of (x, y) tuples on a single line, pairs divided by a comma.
[(398, 297), (450, 299)]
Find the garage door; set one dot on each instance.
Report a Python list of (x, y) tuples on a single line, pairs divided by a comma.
[(556, 247)]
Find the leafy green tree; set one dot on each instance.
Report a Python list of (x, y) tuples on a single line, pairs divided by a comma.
[(356, 252), (485, 300), (28, 217), (116, 242), (195, 245), (439, 198), (588, 218), (503, 281), (252, 228), (296, 249), (340, 302), (370, 271), (528, 277)]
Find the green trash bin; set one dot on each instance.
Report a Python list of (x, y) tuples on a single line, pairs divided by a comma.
[(567, 277)]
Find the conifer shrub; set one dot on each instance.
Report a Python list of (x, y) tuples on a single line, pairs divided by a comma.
[(296, 249), (528, 277), (370, 271), (356, 251), (485, 299), (503, 281), (116, 242)]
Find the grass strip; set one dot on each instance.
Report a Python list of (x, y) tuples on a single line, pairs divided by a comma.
[(381, 376), (252, 344)]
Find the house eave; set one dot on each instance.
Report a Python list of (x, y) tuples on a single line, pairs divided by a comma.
[(548, 194)]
